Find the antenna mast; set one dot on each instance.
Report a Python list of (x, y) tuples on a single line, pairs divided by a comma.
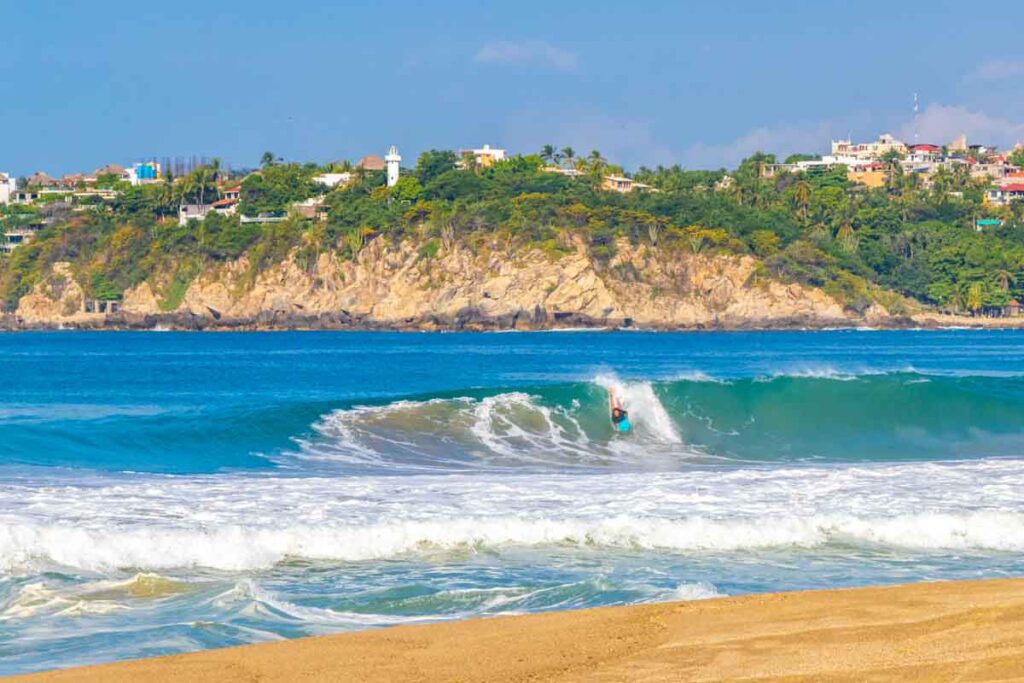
[(916, 109)]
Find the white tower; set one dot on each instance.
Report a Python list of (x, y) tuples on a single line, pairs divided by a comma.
[(393, 160)]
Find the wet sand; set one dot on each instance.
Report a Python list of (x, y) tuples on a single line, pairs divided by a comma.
[(962, 631)]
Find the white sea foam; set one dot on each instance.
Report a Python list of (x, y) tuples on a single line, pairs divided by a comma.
[(236, 522), (702, 590), (646, 411)]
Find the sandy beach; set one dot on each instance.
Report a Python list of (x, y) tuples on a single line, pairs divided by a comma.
[(963, 631)]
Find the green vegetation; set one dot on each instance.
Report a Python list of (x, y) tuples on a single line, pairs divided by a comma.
[(816, 228)]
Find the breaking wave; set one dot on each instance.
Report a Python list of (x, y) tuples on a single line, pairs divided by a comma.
[(803, 414), (240, 548)]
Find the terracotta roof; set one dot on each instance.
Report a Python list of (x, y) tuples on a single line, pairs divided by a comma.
[(109, 168), (925, 147), (372, 162), (224, 202), (1013, 187)]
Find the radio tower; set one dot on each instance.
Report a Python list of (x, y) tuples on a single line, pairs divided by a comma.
[(916, 109)]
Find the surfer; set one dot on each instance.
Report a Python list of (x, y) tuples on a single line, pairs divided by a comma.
[(620, 416)]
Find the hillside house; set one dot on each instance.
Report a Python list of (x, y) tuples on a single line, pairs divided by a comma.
[(483, 157), (615, 183), (1004, 194), (193, 212), (8, 188)]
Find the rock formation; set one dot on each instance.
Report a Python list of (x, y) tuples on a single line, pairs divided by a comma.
[(402, 286)]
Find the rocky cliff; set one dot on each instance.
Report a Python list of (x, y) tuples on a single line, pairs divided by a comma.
[(405, 286)]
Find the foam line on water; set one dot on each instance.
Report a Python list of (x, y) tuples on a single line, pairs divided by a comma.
[(241, 522)]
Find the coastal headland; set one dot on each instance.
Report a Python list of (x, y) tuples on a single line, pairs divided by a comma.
[(962, 631), (391, 286)]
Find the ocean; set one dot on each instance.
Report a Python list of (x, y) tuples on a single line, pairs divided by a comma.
[(170, 492)]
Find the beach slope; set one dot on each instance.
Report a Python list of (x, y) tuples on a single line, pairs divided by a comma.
[(964, 631)]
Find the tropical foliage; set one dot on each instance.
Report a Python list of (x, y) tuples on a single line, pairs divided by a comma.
[(813, 227)]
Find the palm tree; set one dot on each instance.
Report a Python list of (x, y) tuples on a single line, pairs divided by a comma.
[(802, 198), (547, 153), (847, 238), (975, 297), (568, 153), (942, 179), (197, 183), (597, 161), (268, 159), (1004, 278), (893, 169)]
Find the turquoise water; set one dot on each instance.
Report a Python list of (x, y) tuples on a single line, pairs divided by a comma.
[(165, 492)]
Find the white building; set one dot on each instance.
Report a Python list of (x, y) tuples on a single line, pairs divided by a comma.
[(865, 151), (8, 187), (193, 212), (393, 160), (333, 179), (145, 172), (484, 157)]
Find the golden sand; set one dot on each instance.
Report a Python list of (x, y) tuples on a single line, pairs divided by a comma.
[(955, 631)]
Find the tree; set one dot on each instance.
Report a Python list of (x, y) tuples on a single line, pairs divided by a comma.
[(892, 162), (765, 242), (268, 159), (1017, 156), (975, 297), (434, 163), (569, 154), (547, 153), (802, 198)]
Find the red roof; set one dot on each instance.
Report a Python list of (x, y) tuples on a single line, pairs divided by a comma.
[(225, 202), (926, 148), (1013, 187)]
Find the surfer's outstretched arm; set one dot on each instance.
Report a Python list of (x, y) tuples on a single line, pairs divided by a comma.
[(613, 399)]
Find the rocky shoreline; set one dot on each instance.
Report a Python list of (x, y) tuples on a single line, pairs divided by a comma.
[(465, 321), (489, 287)]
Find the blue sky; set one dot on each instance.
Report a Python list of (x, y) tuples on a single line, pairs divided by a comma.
[(696, 83)]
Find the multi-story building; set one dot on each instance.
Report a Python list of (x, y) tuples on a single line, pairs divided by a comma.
[(146, 172), (8, 188), (484, 157), (1006, 193), (868, 151)]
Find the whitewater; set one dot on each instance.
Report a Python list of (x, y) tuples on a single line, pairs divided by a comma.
[(173, 492)]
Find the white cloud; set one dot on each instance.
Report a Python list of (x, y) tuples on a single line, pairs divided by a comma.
[(940, 124), (998, 69), (505, 52)]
